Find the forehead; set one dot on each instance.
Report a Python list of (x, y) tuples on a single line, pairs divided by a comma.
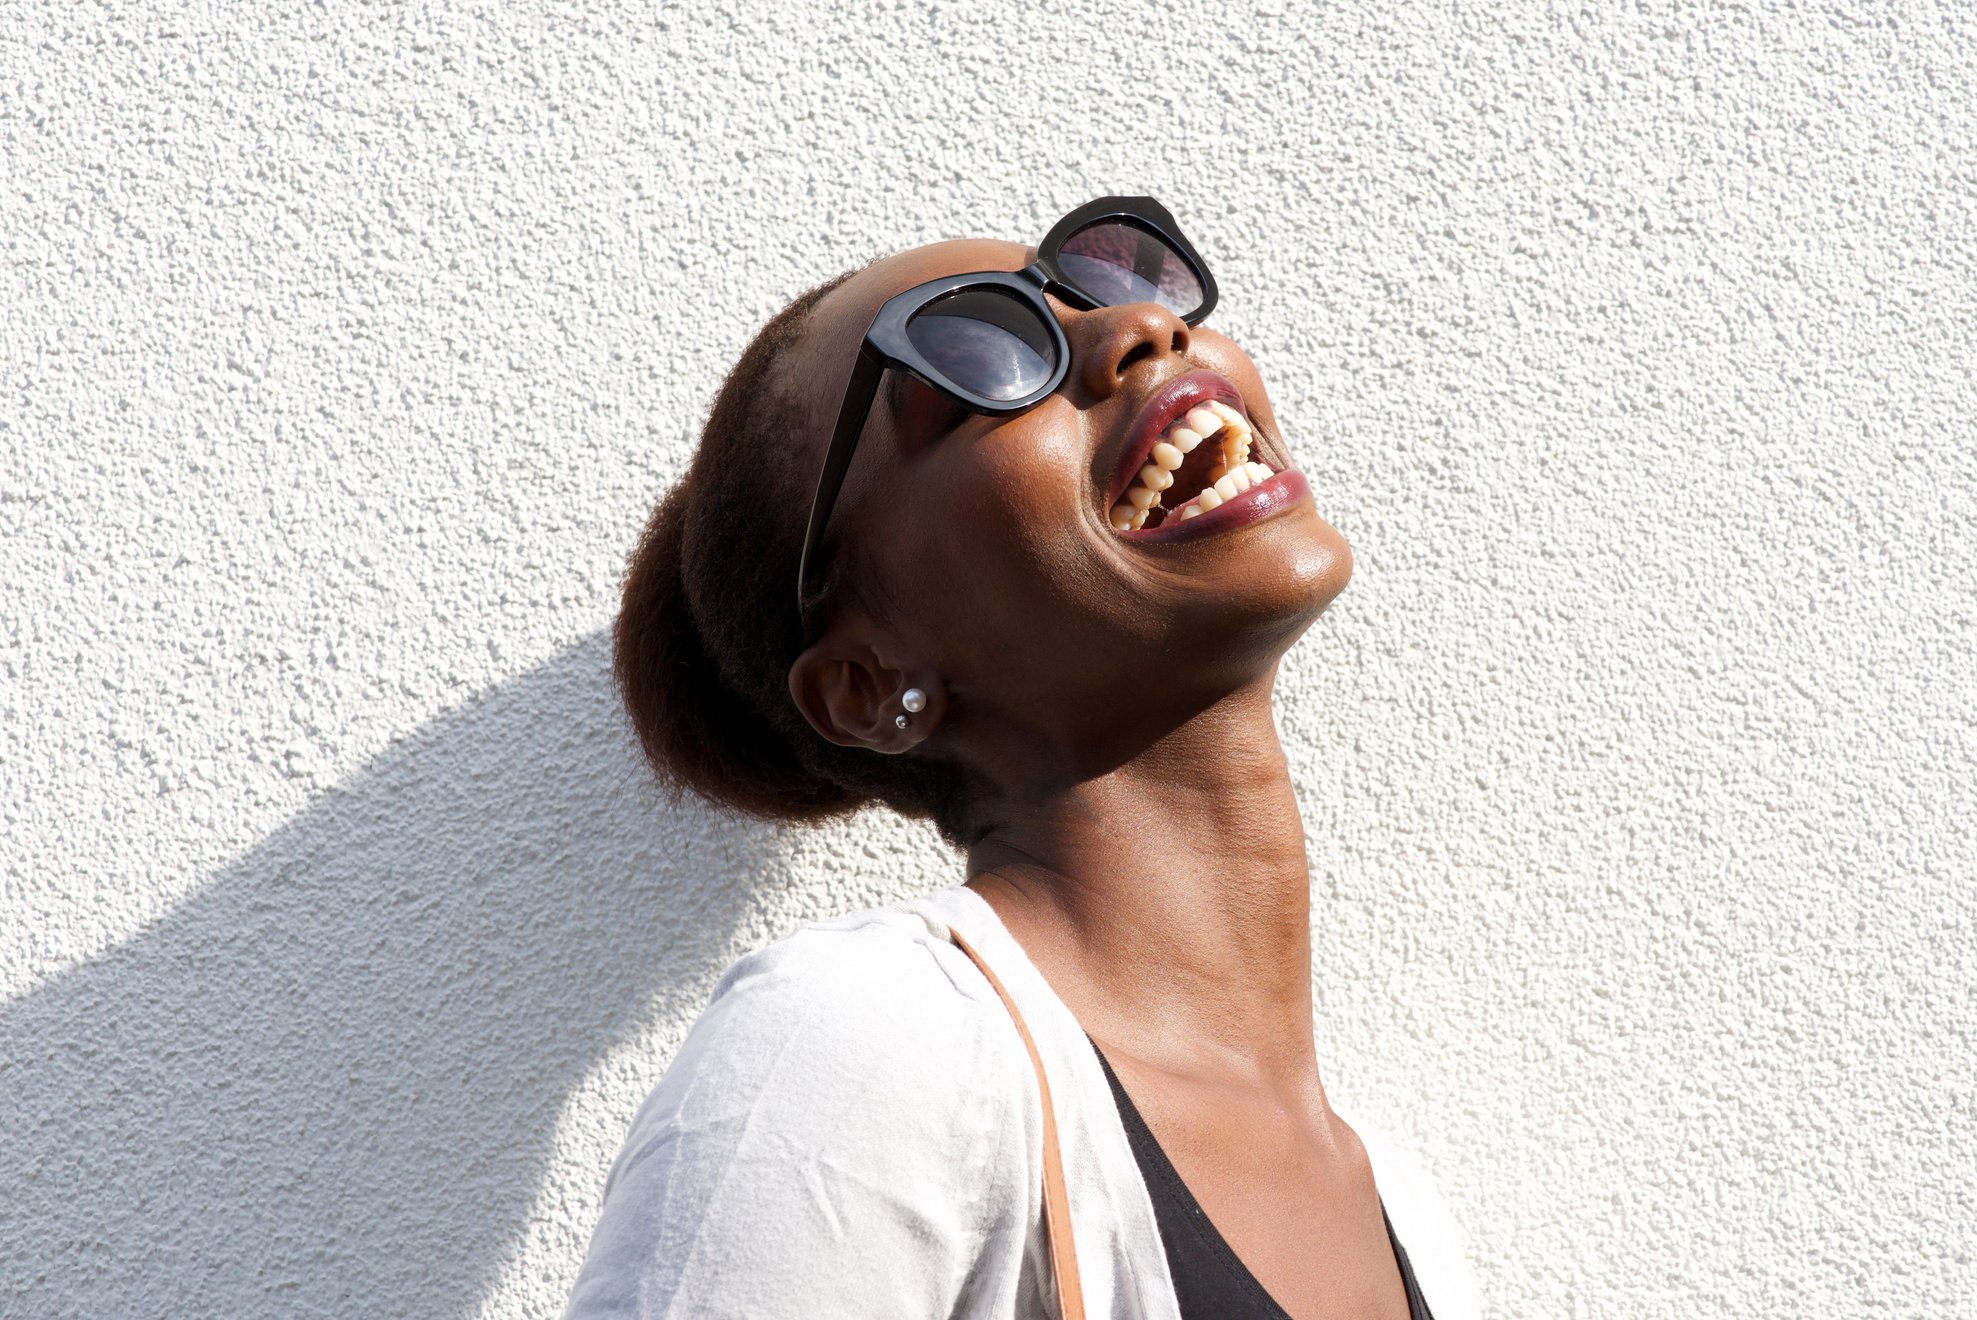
[(819, 363)]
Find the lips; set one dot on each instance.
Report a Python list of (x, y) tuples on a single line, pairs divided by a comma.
[(1190, 450), (1283, 489), (1167, 404)]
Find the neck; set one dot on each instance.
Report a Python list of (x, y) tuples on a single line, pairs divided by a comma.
[(1168, 901)]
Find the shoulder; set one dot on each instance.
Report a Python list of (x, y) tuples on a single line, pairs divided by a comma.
[(871, 1021), (836, 1126), (1435, 1243), (878, 985), (863, 954)]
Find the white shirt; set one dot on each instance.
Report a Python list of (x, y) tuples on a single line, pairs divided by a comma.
[(852, 1130)]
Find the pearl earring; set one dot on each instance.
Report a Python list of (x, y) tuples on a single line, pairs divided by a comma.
[(914, 700)]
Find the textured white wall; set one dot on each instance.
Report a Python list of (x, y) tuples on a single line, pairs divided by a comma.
[(346, 347)]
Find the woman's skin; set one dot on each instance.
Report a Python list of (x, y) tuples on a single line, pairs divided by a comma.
[(1113, 697)]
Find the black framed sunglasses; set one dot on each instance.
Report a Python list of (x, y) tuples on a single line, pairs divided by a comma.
[(990, 342)]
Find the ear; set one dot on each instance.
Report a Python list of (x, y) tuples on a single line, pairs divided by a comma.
[(851, 693)]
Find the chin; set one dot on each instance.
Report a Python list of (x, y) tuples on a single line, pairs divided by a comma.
[(1304, 564), (1242, 630), (1324, 565)]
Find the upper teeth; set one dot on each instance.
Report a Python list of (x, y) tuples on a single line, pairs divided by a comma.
[(1234, 474)]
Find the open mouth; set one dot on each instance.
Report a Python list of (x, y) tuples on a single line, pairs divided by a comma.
[(1203, 459)]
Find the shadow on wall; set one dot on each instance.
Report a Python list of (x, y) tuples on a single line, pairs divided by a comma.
[(328, 1083)]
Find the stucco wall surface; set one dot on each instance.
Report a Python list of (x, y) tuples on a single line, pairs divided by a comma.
[(346, 346)]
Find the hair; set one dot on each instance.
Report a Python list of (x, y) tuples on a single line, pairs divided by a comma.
[(708, 626)]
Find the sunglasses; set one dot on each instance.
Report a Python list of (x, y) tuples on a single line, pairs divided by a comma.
[(989, 342)]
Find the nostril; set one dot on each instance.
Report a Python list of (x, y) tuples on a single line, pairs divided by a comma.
[(1137, 353)]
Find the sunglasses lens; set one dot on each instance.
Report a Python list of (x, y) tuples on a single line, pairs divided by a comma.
[(1118, 263), (987, 342)]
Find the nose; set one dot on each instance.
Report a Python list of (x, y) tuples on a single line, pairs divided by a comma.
[(1108, 342)]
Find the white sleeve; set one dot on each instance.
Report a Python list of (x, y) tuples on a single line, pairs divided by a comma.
[(830, 1141)]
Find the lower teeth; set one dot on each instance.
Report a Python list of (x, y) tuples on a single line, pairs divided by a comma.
[(1211, 497)]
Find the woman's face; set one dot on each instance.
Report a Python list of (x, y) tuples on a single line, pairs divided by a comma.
[(996, 535)]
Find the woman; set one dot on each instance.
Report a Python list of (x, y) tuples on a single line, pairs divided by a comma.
[(1054, 553)]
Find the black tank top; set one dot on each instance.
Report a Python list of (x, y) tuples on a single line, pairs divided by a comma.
[(1210, 1280)]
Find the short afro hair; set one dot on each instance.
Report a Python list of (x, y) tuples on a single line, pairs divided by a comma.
[(707, 628)]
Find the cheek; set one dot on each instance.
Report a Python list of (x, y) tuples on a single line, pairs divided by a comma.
[(1018, 489), (1036, 459), (1003, 531)]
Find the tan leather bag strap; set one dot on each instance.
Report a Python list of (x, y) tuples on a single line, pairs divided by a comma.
[(1056, 1202)]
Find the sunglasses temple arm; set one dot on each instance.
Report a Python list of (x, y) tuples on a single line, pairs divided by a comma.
[(858, 395)]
